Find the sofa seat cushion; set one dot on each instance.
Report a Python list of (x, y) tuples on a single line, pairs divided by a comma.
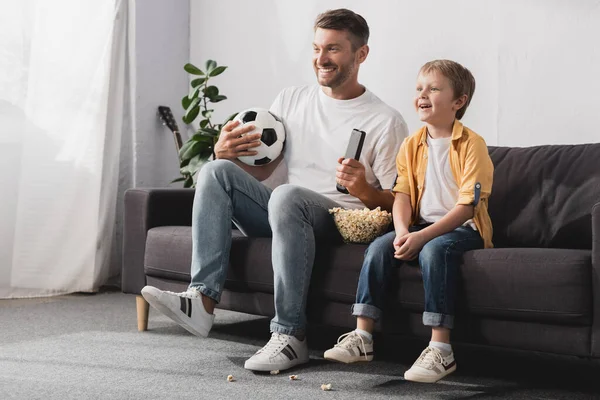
[(538, 285), (502, 283), (169, 255)]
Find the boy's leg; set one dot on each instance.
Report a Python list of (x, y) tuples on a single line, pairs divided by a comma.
[(298, 217), (375, 273), (223, 192), (439, 261)]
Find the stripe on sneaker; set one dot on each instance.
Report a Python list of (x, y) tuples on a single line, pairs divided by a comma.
[(185, 306), (182, 304), (287, 353), (368, 353), (292, 350)]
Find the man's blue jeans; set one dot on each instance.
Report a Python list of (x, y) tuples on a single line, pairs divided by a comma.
[(295, 217), (439, 261)]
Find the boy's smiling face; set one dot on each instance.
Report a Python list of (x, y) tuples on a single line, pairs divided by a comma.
[(434, 99)]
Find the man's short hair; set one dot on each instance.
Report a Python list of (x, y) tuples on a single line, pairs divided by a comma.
[(345, 20), (461, 79)]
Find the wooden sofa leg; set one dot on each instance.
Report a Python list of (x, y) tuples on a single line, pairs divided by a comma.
[(142, 313)]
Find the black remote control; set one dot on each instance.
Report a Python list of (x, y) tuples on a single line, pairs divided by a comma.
[(357, 138)]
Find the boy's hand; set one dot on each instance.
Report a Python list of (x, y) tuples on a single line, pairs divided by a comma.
[(409, 246), (231, 145), (398, 240), (351, 174)]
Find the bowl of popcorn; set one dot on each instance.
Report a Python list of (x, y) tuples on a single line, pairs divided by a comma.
[(361, 226)]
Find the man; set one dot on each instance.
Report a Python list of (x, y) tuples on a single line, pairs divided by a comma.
[(318, 121)]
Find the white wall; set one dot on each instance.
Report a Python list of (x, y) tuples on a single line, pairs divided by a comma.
[(161, 43), (536, 62)]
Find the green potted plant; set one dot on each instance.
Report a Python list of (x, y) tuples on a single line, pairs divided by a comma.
[(199, 102)]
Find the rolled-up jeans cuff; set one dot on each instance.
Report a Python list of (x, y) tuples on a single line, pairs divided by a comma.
[(275, 327), (366, 310), (438, 320), (216, 296)]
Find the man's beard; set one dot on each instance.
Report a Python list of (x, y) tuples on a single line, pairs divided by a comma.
[(341, 76)]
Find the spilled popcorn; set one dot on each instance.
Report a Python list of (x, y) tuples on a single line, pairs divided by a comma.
[(361, 226), (230, 378), (326, 387), (275, 372), (293, 377)]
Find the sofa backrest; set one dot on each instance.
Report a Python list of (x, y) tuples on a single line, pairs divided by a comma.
[(543, 196)]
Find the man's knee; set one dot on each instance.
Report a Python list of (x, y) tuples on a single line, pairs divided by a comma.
[(216, 170), (285, 198)]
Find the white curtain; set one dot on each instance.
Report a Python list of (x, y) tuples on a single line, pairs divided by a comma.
[(62, 80)]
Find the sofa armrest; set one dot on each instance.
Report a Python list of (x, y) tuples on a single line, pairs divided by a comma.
[(596, 279), (144, 210)]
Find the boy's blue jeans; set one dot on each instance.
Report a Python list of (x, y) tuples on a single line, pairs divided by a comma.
[(439, 261), (294, 216)]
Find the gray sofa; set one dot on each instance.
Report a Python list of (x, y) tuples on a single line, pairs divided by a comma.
[(537, 290)]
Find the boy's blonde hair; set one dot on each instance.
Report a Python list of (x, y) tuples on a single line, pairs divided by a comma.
[(461, 79)]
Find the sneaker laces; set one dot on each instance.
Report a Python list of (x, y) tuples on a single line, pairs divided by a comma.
[(352, 339), (275, 344), (430, 357)]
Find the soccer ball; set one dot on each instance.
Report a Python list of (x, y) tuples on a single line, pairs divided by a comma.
[(273, 135)]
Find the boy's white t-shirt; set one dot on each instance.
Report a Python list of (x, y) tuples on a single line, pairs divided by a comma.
[(318, 128), (440, 192)]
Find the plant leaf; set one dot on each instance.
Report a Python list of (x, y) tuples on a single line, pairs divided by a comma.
[(191, 151), (217, 71), (185, 102), (197, 82), (189, 182), (192, 69), (195, 164), (210, 65), (209, 132), (207, 113), (211, 91), (218, 98), (191, 114), (194, 93), (203, 123), (185, 149), (230, 118), (199, 137), (181, 179)]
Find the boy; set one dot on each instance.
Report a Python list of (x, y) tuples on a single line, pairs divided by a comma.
[(440, 211)]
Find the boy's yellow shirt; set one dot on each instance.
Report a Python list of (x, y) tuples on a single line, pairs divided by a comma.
[(471, 166)]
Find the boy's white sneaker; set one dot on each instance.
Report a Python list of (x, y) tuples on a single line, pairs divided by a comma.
[(282, 352), (185, 308), (431, 366), (351, 347)]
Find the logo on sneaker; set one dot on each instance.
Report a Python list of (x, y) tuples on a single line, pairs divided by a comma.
[(447, 367), (186, 306)]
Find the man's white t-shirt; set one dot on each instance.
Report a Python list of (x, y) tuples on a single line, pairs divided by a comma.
[(318, 128), (440, 193)]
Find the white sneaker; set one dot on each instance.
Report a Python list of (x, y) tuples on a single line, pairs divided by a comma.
[(351, 347), (431, 366), (185, 308), (282, 352)]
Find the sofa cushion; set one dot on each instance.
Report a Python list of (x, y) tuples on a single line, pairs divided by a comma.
[(538, 285), (543, 196), (169, 255)]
